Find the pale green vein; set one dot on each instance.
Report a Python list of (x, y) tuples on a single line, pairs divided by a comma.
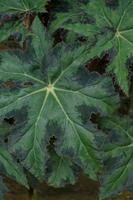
[(107, 19), (23, 97), (128, 41), (17, 9), (36, 124), (32, 93), (121, 174), (126, 30), (119, 148), (44, 102), (121, 128), (34, 78), (24, 5), (78, 92), (119, 52), (122, 17), (24, 74)]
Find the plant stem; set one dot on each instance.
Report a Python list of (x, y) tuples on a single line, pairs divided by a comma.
[(34, 195)]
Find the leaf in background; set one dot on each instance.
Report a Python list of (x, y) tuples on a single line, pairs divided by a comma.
[(23, 12), (71, 13), (10, 168), (112, 25), (11, 28), (118, 155), (39, 36), (22, 6), (56, 99)]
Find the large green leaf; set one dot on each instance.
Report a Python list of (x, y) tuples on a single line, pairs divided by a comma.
[(53, 97), (21, 6), (118, 156), (112, 25)]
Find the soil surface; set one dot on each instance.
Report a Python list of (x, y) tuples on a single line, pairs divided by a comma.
[(85, 189)]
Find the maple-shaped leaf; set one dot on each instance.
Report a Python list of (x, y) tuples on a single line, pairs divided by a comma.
[(10, 168), (16, 17), (112, 24), (53, 95), (22, 6), (118, 155)]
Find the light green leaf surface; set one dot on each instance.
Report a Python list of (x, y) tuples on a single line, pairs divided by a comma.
[(55, 98)]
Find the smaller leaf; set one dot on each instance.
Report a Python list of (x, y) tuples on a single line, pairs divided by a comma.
[(11, 168), (41, 41), (110, 24), (118, 155), (21, 6), (10, 28)]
